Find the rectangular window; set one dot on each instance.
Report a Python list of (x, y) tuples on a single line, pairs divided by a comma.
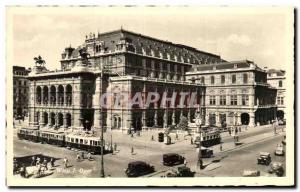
[(212, 100), (223, 100), (233, 99), (233, 78), (245, 100)]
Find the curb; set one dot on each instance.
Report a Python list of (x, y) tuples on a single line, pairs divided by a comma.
[(246, 144)]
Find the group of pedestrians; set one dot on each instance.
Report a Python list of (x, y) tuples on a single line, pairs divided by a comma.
[(81, 155)]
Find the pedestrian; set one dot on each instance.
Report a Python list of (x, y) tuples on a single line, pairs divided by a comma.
[(176, 136), (115, 147), (66, 162), (45, 162), (240, 129), (38, 161), (132, 150), (77, 157), (185, 162), (192, 141), (32, 161), (82, 154), (131, 134), (52, 162), (89, 156), (23, 171), (221, 147), (152, 138)]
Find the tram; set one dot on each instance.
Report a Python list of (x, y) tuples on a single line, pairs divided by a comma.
[(52, 138), (29, 134), (90, 144), (70, 140), (209, 136)]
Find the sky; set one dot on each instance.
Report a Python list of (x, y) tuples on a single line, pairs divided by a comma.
[(257, 34)]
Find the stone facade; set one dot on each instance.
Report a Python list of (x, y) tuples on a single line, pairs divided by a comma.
[(276, 78), (236, 93), (127, 62), (20, 91)]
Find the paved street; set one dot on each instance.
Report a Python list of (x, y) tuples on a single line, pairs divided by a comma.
[(236, 158)]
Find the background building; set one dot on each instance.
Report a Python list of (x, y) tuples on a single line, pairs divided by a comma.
[(236, 92), (20, 91), (276, 78)]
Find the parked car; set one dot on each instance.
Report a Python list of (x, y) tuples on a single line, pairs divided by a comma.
[(264, 158), (251, 173), (284, 140), (277, 168), (206, 152), (160, 137), (138, 168), (282, 122), (279, 150), (182, 171), (171, 159)]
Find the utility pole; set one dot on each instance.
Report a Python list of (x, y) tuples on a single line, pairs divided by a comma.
[(198, 122)]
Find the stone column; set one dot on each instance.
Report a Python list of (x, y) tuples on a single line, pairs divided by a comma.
[(144, 120), (174, 117), (155, 117), (165, 124), (252, 119), (56, 96), (207, 119), (218, 123), (238, 119), (42, 120), (65, 120)]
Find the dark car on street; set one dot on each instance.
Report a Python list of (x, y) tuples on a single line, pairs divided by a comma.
[(138, 168), (171, 159), (277, 168), (206, 152), (264, 158)]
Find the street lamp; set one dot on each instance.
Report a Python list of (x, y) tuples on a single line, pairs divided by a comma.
[(198, 122)]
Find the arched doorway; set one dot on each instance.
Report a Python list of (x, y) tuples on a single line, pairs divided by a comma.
[(69, 121), (52, 95), (69, 94), (45, 95), (137, 123), (45, 118), (60, 119), (52, 119), (212, 119), (245, 118), (280, 115), (38, 95), (60, 94)]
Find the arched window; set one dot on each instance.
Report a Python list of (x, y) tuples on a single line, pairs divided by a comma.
[(202, 80), (233, 78), (223, 79), (245, 78), (212, 80), (280, 83)]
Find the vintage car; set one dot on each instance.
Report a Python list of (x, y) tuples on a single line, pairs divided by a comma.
[(171, 159), (279, 150), (284, 140), (138, 168), (282, 122), (277, 168), (264, 158), (251, 173), (206, 152), (182, 171)]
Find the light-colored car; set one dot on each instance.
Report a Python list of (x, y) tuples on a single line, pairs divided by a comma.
[(279, 150), (251, 173)]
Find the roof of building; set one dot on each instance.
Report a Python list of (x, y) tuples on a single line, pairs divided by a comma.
[(226, 65), (277, 72), (145, 44)]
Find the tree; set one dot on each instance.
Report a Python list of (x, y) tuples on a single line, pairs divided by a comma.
[(183, 124), (39, 60)]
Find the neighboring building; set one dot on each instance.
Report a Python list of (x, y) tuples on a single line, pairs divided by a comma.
[(276, 78), (20, 91), (236, 92), (133, 62)]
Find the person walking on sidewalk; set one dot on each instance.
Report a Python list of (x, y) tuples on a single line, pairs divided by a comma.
[(221, 147), (132, 150), (66, 162)]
